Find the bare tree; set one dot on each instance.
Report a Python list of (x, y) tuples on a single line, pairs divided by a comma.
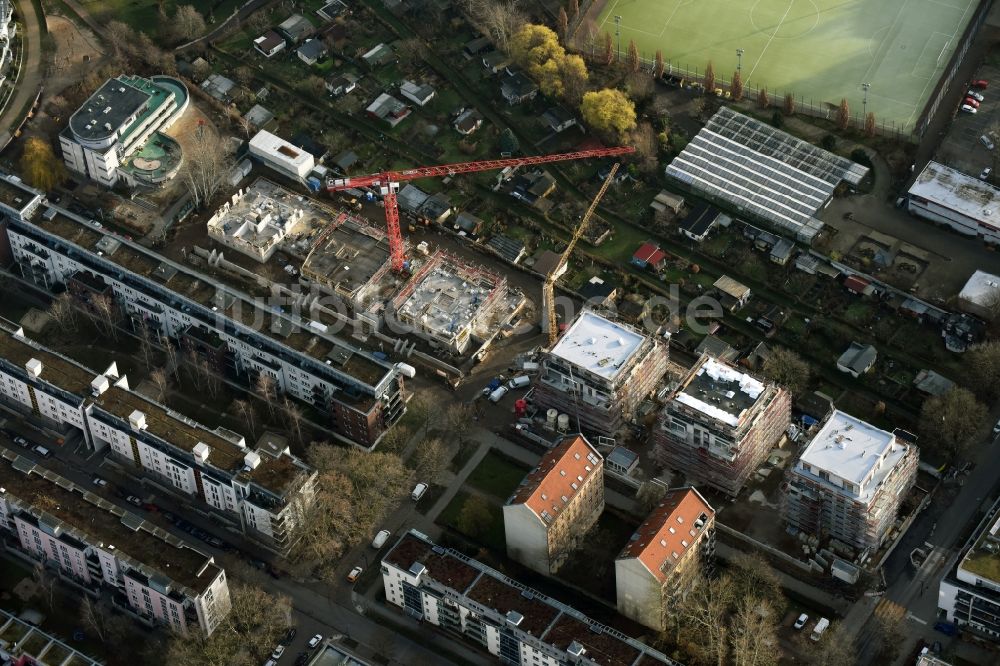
[(426, 414), (244, 75), (161, 380), (562, 25), (430, 460), (763, 101), (47, 583), (574, 9), (754, 639), (145, 344), (210, 377), (206, 161), (98, 616), (643, 138), (705, 617), (649, 495), (459, 422), (789, 104), (870, 124), (294, 417), (248, 415), (121, 37), (788, 369), (843, 114), (709, 78), (632, 57), (499, 18), (104, 314), (63, 311), (266, 387), (949, 422), (172, 360), (659, 67), (609, 49), (188, 23)]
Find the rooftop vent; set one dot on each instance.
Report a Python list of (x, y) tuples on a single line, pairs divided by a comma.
[(99, 385), (575, 650), (200, 452), (34, 368), (251, 459), (514, 618), (137, 420)]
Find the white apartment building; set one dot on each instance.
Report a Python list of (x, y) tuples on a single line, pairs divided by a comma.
[(969, 594), (515, 623), (360, 393), (264, 491), (849, 482), (116, 122), (97, 546), (280, 155), (555, 506)]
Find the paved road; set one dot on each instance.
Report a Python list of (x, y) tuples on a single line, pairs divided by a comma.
[(31, 69), (244, 11)]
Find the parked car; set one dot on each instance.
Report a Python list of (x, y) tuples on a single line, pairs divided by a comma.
[(971, 102), (418, 492), (498, 394), (355, 572), (380, 538), (985, 140), (819, 629), (98, 481), (980, 84), (966, 108), (974, 95), (42, 451), (996, 428), (278, 651), (315, 640), (302, 659), (133, 500), (21, 441), (289, 635), (801, 622), (985, 173), (518, 382)]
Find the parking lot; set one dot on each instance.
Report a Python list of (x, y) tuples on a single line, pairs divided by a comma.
[(961, 147)]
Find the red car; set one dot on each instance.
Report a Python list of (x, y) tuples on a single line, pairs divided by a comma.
[(971, 102), (981, 84)]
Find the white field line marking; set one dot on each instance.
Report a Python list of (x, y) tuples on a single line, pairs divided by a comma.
[(764, 50)]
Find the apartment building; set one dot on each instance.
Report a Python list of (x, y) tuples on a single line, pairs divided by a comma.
[(8, 28), (517, 624), (24, 644), (555, 506), (263, 491), (720, 424), (598, 372), (660, 563), (360, 393), (98, 546), (969, 594), (849, 482), (117, 134)]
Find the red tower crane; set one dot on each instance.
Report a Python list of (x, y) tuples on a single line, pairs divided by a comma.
[(388, 184)]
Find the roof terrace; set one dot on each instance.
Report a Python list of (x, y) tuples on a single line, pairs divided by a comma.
[(719, 391)]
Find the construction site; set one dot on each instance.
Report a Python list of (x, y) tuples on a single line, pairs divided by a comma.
[(451, 303)]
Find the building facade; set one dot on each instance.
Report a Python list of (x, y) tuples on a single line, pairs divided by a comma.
[(658, 567), (969, 595), (720, 424), (555, 505), (960, 201), (297, 357), (517, 624), (849, 482), (118, 120), (598, 372), (263, 491), (97, 546)]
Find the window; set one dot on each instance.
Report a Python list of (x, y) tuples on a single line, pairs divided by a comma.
[(663, 542), (562, 472), (675, 554), (672, 530), (684, 543), (680, 519)]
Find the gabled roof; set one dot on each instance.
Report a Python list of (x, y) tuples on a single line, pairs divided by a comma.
[(312, 48), (667, 533), (649, 253), (858, 357), (554, 482)]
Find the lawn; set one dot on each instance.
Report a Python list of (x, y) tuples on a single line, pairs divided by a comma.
[(493, 537), (497, 475), (820, 50)]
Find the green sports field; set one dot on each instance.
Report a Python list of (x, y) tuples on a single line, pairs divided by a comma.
[(821, 50)]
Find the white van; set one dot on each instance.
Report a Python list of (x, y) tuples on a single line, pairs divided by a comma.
[(519, 382), (380, 539), (498, 394), (418, 492), (820, 628)]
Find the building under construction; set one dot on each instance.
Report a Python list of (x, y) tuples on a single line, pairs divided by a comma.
[(598, 372), (849, 482), (720, 424), (449, 302), (350, 259)]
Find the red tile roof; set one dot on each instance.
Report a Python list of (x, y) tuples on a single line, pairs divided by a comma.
[(666, 529), (549, 487), (649, 253), (856, 284)]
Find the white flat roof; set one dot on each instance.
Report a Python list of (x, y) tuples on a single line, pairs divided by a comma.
[(981, 289), (959, 192), (721, 391), (597, 345), (850, 449), (279, 150)]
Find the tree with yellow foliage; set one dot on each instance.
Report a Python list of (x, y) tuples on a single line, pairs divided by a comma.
[(608, 110), (536, 48), (40, 166)]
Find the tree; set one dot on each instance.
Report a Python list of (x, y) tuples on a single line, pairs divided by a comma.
[(265, 386), (763, 100), (294, 417), (425, 412), (753, 575), (753, 638), (244, 75), (948, 422), (206, 161), (430, 460), (574, 9), (508, 142), (161, 380), (704, 623), (314, 85), (459, 422), (104, 314), (475, 518), (632, 57), (121, 37), (246, 412), (788, 369), (709, 78), (245, 636), (643, 139), (259, 21), (573, 71), (98, 616), (563, 25), (609, 49), (639, 86), (983, 366), (659, 66), (870, 124), (46, 582), (649, 495), (188, 23), (501, 19), (40, 166), (736, 86), (835, 649), (844, 114), (63, 311), (789, 106), (608, 110)]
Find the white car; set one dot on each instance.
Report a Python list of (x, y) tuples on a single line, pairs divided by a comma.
[(967, 108), (278, 651), (380, 539), (985, 140), (801, 622), (974, 95), (996, 428), (985, 173), (315, 640), (99, 482)]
